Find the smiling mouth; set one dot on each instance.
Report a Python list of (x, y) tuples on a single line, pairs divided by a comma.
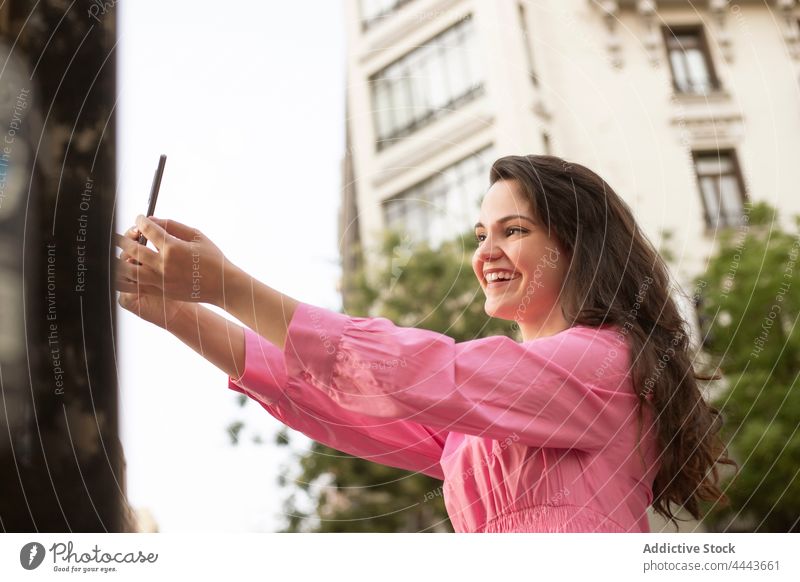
[(502, 282)]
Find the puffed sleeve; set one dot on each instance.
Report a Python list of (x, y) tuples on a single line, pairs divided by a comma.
[(564, 391), (397, 443)]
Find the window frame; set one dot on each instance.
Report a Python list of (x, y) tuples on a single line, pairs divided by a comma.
[(736, 172), (670, 34), (452, 38), (376, 19), (419, 192)]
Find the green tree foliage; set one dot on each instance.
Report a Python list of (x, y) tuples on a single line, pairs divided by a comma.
[(748, 311), (416, 287)]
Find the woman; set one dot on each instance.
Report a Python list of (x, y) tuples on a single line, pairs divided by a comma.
[(593, 417)]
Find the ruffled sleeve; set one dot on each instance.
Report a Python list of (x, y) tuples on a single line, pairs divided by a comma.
[(397, 443), (561, 391)]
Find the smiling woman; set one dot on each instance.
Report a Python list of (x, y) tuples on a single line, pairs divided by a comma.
[(565, 431), (611, 275), (518, 262)]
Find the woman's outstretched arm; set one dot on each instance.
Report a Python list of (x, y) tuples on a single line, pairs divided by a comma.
[(216, 338), (263, 309), (211, 335), (548, 392), (188, 266), (256, 368)]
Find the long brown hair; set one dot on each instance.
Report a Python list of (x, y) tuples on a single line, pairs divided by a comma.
[(610, 258)]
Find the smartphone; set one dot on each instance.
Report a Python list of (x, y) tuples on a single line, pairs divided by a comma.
[(151, 203)]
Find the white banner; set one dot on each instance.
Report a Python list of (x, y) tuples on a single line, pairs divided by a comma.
[(418, 557)]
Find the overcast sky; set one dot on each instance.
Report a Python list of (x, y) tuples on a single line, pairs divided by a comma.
[(247, 101)]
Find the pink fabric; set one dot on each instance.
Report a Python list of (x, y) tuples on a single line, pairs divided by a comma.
[(537, 436)]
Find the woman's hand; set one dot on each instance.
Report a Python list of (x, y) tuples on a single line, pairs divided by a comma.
[(155, 308), (214, 337), (187, 266), (147, 302)]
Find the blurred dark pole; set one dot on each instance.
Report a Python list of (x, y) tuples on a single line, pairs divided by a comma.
[(62, 463)]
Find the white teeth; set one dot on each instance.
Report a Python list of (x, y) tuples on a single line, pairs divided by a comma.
[(504, 275)]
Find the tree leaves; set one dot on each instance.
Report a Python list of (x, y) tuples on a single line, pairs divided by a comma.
[(749, 313)]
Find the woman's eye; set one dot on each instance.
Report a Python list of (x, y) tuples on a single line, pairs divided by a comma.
[(510, 230)]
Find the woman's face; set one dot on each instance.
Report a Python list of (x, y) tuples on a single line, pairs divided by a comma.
[(512, 240)]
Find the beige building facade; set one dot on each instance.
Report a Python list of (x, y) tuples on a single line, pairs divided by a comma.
[(688, 109)]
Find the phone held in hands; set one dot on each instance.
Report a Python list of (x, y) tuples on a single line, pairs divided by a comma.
[(151, 203)]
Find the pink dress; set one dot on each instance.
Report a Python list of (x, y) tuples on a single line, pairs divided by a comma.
[(537, 436)]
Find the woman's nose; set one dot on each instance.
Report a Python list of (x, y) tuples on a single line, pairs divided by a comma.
[(487, 250)]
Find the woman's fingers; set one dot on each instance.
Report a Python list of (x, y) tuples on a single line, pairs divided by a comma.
[(178, 264), (135, 288), (138, 274), (132, 233), (153, 231), (125, 286), (177, 229), (136, 251)]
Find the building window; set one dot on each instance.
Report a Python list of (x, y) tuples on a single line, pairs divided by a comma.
[(690, 60), (721, 187), (425, 84), (444, 205), (373, 11)]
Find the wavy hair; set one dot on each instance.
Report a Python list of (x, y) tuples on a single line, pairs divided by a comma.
[(610, 258)]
